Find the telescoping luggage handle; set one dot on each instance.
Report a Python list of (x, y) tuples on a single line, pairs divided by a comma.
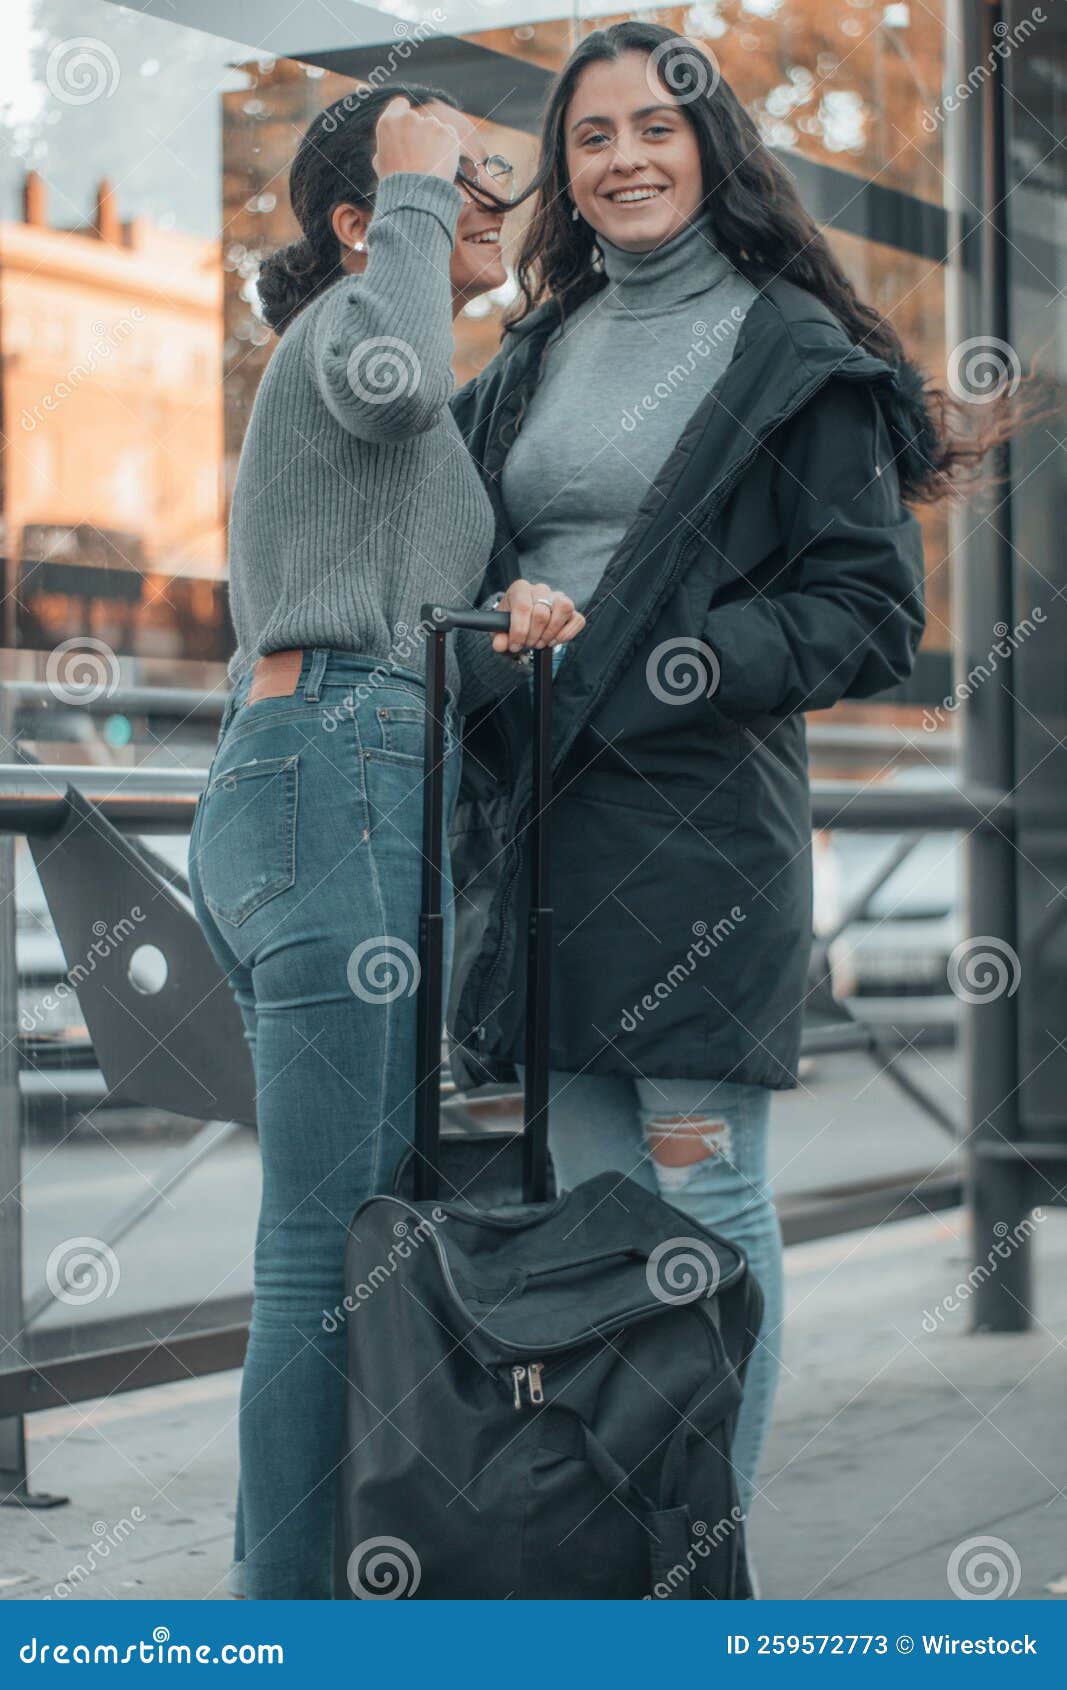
[(430, 1009)]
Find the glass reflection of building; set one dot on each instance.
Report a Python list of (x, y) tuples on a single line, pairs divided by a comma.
[(113, 512), (140, 325)]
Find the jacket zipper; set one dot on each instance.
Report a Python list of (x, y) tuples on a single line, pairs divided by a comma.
[(531, 1374)]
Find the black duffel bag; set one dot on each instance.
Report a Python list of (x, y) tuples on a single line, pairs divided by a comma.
[(541, 1395)]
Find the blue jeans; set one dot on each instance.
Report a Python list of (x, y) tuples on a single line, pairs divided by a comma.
[(702, 1146), (305, 869)]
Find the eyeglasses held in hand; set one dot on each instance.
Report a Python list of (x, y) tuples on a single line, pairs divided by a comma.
[(499, 174)]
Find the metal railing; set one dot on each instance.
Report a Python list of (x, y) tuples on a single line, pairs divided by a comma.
[(91, 1358), (56, 1366)]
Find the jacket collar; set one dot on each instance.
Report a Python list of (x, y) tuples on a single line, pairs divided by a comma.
[(803, 327)]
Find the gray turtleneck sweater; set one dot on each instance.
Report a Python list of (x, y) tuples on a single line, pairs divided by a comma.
[(621, 379)]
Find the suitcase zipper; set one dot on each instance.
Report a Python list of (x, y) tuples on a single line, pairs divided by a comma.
[(625, 1317)]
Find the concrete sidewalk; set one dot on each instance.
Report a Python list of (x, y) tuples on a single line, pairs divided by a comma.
[(897, 1439), (899, 1436)]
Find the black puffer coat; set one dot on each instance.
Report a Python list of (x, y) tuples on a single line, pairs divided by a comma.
[(771, 569)]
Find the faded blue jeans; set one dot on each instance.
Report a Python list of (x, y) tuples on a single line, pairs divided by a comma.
[(305, 869), (702, 1146)]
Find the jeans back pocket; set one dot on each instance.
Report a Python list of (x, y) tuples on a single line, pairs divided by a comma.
[(247, 836), (399, 730)]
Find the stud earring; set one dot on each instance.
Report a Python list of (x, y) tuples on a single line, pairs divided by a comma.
[(359, 246), (574, 214)]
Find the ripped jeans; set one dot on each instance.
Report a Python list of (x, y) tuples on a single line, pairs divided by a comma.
[(702, 1146)]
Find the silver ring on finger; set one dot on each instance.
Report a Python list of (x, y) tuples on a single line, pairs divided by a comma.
[(544, 601)]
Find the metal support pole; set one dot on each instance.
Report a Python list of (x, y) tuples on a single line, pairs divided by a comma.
[(14, 1485), (984, 597), (12, 1439)]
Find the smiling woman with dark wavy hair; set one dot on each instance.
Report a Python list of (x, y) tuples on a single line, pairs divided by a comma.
[(697, 429), (763, 229)]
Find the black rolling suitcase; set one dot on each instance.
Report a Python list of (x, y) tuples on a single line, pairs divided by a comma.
[(542, 1394)]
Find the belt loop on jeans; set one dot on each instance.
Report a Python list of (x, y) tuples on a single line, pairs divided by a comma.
[(316, 671), (228, 707)]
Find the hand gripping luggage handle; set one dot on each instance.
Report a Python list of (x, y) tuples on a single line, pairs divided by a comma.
[(439, 622)]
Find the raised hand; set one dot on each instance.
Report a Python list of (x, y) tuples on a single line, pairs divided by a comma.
[(411, 139)]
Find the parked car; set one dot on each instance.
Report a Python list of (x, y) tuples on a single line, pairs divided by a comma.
[(891, 962)]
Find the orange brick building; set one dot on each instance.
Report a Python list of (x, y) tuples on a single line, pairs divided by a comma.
[(110, 400)]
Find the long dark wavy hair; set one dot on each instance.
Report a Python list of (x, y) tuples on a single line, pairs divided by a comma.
[(761, 226)]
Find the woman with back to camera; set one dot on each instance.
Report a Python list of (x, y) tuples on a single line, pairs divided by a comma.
[(355, 503), (696, 429)]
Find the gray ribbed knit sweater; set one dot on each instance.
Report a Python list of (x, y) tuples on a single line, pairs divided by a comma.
[(355, 499)]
